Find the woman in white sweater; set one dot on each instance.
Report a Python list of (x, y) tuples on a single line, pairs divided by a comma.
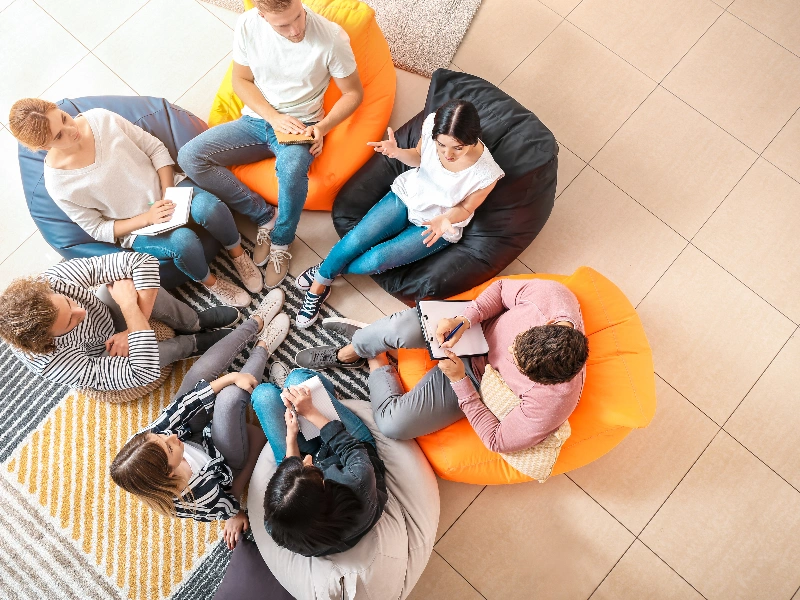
[(109, 176)]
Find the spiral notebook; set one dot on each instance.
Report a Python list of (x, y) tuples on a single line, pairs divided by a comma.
[(182, 197), (322, 401), (430, 312)]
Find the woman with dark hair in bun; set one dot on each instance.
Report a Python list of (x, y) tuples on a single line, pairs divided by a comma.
[(425, 211)]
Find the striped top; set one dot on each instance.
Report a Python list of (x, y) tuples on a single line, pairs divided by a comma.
[(78, 359), (208, 484)]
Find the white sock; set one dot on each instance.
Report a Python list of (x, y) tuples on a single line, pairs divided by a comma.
[(276, 247), (271, 223)]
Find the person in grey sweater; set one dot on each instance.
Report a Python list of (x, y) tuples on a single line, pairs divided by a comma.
[(327, 501)]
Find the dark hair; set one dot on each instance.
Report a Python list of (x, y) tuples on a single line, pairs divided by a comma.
[(300, 511), (459, 119), (551, 354)]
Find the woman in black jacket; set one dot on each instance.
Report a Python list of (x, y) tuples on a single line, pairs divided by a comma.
[(326, 501)]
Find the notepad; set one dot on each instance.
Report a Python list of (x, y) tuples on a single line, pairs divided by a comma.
[(182, 197), (288, 139), (430, 312), (322, 401)]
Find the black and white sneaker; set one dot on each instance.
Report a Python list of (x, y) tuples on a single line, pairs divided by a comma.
[(342, 326), (306, 278), (325, 357), (218, 317), (309, 312)]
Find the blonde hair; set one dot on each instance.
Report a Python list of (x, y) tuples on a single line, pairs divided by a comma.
[(28, 122), (142, 469), (27, 314)]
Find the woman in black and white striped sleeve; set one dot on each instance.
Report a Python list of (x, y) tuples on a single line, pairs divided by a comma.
[(66, 332)]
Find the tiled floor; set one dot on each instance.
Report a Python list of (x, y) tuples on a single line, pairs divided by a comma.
[(679, 179)]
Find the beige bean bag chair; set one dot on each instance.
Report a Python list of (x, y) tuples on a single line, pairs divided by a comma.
[(388, 561)]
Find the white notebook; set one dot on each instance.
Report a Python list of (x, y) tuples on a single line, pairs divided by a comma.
[(430, 312), (322, 401), (182, 197)]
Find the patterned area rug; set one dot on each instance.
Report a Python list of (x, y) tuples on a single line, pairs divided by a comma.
[(423, 35), (66, 531)]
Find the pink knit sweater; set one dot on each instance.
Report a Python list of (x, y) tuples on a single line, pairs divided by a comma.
[(505, 309)]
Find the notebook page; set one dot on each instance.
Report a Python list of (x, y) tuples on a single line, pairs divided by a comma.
[(322, 401), (472, 342), (182, 197)]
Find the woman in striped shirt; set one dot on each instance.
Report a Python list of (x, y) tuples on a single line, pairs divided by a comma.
[(188, 464)]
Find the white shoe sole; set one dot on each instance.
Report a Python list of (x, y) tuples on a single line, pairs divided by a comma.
[(307, 324), (345, 321)]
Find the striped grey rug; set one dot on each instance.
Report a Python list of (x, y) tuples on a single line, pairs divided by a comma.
[(35, 556)]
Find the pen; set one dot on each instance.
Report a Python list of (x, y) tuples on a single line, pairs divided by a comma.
[(452, 333)]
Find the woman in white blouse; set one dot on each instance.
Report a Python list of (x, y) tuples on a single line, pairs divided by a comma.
[(109, 176), (426, 209)]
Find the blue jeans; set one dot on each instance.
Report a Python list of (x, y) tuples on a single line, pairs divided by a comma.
[(182, 245), (382, 240), (270, 409), (246, 140)]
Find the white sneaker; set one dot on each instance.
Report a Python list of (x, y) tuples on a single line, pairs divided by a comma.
[(274, 333), (270, 306), (248, 272), (278, 372), (229, 293)]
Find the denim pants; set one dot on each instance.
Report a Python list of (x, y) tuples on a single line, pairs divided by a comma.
[(382, 240), (229, 418), (170, 311), (270, 410), (182, 245), (246, 140)]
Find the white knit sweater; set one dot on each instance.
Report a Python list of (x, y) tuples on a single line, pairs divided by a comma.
[(120, 183)]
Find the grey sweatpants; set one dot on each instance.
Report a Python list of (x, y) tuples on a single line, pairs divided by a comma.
[(430, 406), (170, 311)]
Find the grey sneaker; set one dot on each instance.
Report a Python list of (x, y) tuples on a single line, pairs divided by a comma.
[(274, 333), (270, 306), (342, 326), (248, 272), (278, 372), (325, 357)]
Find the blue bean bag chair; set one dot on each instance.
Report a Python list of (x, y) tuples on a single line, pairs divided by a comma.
[(512, 215), (169, 123)]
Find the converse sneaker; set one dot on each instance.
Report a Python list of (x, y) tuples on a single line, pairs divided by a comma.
[(278, 372), (270, 306), (263, 243), (325, 357), (277, 266), (274, 333), (249, 274), (229, 293), (306, 278), (309, 312), (342, 326)]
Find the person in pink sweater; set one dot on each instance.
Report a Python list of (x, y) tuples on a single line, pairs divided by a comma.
[(536, 342)]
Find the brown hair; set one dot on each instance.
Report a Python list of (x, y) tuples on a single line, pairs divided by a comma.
[(550, 354), (28, 122), (27, 315), (142, 469), (273, 6)]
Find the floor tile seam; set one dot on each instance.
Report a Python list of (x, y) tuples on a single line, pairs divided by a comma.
[(22, 243), (614, 566), (697, 41), (604, 176), (117, 75), (779, 169), (792, 321), (574, 8), (205, 6), (600, 505), (638, 304), (88, 50), (9, 4), (461, 514), (477, 591), (673, 569), (762, 461), (750, 389), (795, 594), (761, 154), (519, 64), (677, 391), (214, 66), (757, 30), (354, 286), (117, 28)]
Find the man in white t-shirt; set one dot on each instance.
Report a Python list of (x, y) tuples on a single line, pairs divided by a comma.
[(284, 55)]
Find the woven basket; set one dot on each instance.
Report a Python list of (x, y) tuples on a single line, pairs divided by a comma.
[(163, 332), (536, 462)]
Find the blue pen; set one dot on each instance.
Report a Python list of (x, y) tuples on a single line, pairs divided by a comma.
[(452, 333)]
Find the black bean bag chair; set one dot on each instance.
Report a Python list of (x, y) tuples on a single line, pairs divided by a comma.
[(507, 222), (172, 125)]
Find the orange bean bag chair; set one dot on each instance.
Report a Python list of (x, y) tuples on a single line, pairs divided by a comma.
[(619, 394), (345, 150)]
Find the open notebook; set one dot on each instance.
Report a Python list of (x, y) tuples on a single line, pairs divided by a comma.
[(182, 197), (320, 399), (430, 312)]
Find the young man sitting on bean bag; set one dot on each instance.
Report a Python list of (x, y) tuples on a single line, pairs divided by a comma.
[(534, 329)]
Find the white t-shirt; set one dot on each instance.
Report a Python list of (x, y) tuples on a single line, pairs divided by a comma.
[(195, 456), (293, 77), (431, 190)]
